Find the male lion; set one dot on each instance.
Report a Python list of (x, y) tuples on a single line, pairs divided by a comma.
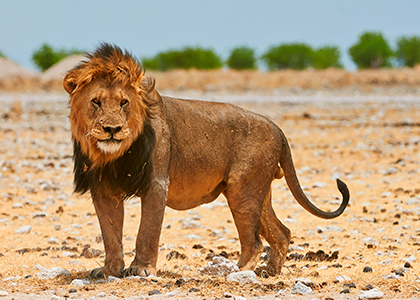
[(128, 140)]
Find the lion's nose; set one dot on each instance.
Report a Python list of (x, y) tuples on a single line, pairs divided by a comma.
[(112, 129)]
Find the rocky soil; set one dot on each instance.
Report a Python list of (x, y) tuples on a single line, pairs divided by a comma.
[(51, 238)]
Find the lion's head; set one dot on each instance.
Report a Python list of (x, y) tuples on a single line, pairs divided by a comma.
[(110, 101)]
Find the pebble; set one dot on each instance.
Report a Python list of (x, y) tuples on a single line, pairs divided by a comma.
[(17, 205), (24, 229), (219, 266), (53, 240), (100, 295), (371, 294), (300, 288), (113, 279), (193, 237), (154, 292), (242, 277), (342, 278), (52, 273), (410, 259), (190, 224), (4, 294), (386, 262), (367, 270), (80, 282)]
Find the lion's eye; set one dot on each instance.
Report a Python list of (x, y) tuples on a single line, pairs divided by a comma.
[(96, 102), (124, 102)]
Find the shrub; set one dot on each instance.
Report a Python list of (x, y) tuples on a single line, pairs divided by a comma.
[(295, 56), (242, 58), (186, 58), (46, 56), (2, 55), (371, 51), (408, 51), (326, 57)]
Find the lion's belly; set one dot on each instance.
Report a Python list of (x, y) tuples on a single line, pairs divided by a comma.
[(183, 196)]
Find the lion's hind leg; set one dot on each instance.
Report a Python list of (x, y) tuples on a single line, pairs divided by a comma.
[(277, 235), (245, 203)]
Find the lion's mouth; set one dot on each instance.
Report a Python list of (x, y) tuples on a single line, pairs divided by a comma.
[(109, 146)]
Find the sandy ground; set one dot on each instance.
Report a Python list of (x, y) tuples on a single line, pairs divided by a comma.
[(370, 143)]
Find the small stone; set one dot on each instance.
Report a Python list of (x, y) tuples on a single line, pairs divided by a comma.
[(367, 270), (193, 290), (193, 237), (113, 279), (301, 289), (4, 294), (72, 291), (407, 265), (154, 292), (345, 291), (342, 278), (371, 294), (239, 298), (216, 233), (190, 224), (17, 205), (80, 282), (52, 273), (53, 240), (227, 295), (100, 295), (386, 262), (410, 259), (24, 229), (219, 266), (242, 277)]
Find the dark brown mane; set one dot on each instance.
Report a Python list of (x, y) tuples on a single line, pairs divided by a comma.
[(130, 174)]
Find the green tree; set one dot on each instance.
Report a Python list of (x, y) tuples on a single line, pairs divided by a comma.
[(242, 58), (186, 58), (2, 54), (408, 51), (326, 57), (371, 51), (46, 56), (297, 56)]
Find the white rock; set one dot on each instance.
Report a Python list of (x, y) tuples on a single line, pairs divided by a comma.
[(193, 237), (53, 240), (100, 295), (24, 229), (80, 282), (371, 294), (386, 262), (304, 280), (190, 224), (52, 273), (17, 205), (216, 233), (412, 201), (219, 266), (410, 259), (55, 297), (370, 240), (290, 220), (4, 294), (342, 278), (113, 279), (300, 288), (239, 298), (242, 277), (319, 185)]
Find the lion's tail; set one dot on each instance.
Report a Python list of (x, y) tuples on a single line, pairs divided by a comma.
[(286, 164)]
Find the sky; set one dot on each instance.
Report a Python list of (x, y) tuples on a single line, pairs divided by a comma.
[(148, 27)]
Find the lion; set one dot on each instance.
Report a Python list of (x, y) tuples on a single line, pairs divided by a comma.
[(130, 141)]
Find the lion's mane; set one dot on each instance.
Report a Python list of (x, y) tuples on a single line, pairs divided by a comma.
[(131, 172)]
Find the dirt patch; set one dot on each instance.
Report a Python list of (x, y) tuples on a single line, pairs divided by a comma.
[(372, 146)]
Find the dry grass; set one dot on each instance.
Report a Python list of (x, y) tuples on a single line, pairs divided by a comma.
[(244, 81)]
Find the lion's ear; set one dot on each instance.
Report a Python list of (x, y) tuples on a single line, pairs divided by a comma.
[(148, 84), (69, 82)]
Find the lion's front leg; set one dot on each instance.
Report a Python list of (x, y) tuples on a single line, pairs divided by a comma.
[(110, 211), (147, 244)]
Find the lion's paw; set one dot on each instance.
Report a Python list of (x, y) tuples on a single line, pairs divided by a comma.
[(137, 271), (102, 273)]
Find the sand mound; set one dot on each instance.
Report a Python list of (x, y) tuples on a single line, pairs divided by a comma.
[(10, 69), (58, 70)]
